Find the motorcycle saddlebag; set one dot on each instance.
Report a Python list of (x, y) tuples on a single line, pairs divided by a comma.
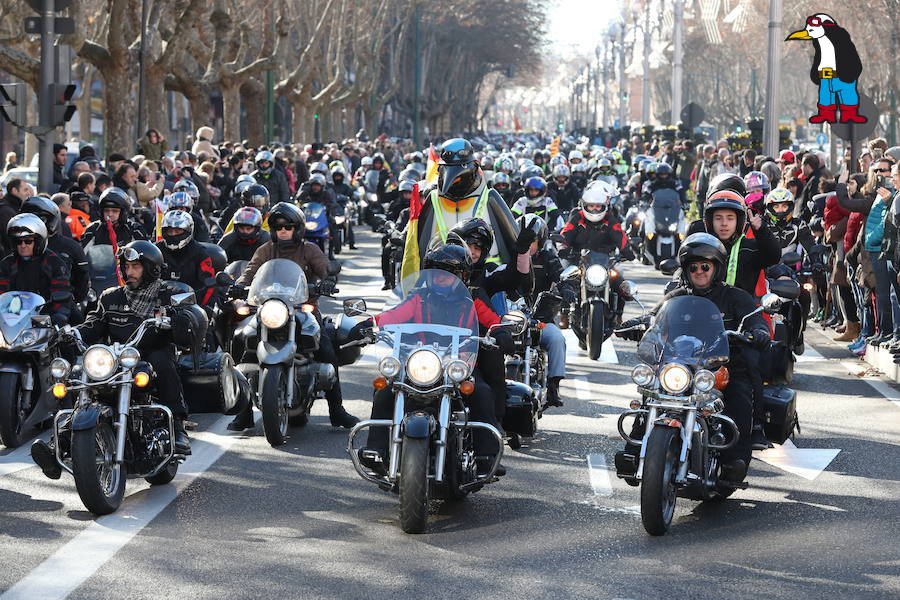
[(780, 413), (211, 387), (776, 364), (521, 409)]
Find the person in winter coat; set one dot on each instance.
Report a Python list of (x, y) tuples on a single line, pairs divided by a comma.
[(153, 145), (203, 142)]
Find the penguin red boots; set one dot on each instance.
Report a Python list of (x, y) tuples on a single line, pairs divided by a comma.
[(849, 114), (826, 114)]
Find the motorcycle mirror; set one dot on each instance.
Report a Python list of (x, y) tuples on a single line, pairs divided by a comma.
[(40, 320), (516, 320), (628, 289), (669, 266), (354, 307), (771, 302), (570, 273), (790, 259), (184, 299), (785, 288), (223, 279)]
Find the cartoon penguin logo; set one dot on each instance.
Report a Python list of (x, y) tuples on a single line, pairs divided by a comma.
[(835, 69)]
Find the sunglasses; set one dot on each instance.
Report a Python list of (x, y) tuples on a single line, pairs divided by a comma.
[(694, 267), (284, 226), (24, 241), (882, 170)]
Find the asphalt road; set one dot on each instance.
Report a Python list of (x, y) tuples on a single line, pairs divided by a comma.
[(244, 520)]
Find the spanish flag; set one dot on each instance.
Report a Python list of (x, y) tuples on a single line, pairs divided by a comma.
[(431, 172), (160, 212), (411, 248)]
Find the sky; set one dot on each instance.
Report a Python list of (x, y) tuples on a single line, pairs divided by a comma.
[(576, 26)]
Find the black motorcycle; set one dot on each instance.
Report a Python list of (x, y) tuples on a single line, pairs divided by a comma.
[(663, 227)]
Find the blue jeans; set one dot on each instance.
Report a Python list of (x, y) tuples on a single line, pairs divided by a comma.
[(553, 341), (885, 283), (834, 91), (866, 320)]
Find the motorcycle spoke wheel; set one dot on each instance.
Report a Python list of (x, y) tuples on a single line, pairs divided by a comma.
[(658, 491), (100, 481)]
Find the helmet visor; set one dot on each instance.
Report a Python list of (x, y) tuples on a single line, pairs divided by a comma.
[(459, 181)]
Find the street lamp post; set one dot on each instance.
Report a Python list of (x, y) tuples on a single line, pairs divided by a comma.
[(623, 91), (773, 104), (645, 79), (677, 60)]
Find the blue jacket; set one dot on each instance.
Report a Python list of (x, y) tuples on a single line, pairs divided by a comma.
[(875, 226)]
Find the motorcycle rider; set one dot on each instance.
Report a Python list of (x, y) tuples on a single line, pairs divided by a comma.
[(579, 175), (790, 233), (249, 194), (247, 235), (316, 190), (703, 259), (561, 188), (664, 179), (271, 178), (757, 186), (114, 227), (288, 224), (185, 259), (184, 202), (501, 182), (593, 226), (340, 187), (535, 201)]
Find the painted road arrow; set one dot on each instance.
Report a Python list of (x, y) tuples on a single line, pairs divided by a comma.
[(808, 463)]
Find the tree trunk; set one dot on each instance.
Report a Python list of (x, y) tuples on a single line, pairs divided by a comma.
[(301, 122), (231, 111), (201, 110), (118, 110), (254, 95), (84, 104), (156, 102)]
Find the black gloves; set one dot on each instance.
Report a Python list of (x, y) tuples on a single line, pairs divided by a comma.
[(360, 331), (327, 287), (632, 329), (237, 292), (568, 293), (523, 242), (504, 341)]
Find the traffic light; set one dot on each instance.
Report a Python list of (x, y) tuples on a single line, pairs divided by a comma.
[(60, 94), (12, 103)]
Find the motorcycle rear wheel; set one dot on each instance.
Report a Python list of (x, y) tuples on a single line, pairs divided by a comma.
[(11, 414), (273, 405), (414, 485), (100, 481), (658, 481), (596, 332)]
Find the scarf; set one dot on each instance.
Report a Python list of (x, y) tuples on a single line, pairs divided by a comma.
[(114, 242), (142, 301)]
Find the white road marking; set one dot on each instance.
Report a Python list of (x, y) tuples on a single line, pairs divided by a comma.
[(805, 462), (573, 352), (810, 354), (598, 470), (20, 458), (70, 566), (874, 382), (582, 389)]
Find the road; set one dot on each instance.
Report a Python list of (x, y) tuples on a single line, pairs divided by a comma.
[(244, 520)]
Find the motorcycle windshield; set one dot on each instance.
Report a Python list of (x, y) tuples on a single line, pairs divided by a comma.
[(103, 266), (436, 312), (314, 211), (666, 207), (370, 181), (592, 257), (688, 330), (279, 279), (15, 306)]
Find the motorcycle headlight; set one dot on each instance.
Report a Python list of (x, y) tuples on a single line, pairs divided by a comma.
[(673, 227), (273, 314), (59, 368), (704, 380), (389, 366), (424, 367), (642, 375), (99, 362), (596, 275), (129, 357), (457, 371), (28, 337), (675, 378), (311, 225), (339, 220)]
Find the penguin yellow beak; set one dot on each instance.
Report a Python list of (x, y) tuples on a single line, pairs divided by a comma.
[(799, 35)]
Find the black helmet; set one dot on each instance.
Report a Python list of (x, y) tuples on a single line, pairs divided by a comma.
[(46, 209), (28, 225), (725, 200), (478, 232), (406, 185), (257, 196), (664, 169), (285, 212), (702, 246), (149, 255), (536, 224), (115, 197), (456, 151), (247, 216), (726, 181), (531, 171), (452, 258)]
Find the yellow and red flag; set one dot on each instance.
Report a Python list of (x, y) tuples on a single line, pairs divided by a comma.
[(554, 146), (160, 206), (411, 262), (431, 172)]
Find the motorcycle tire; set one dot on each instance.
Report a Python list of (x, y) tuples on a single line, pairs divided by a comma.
[(596, 332), (414, 485), (165, 475), (11, 414), (100, 481), (658, 493), (273, 404), (514, 441)]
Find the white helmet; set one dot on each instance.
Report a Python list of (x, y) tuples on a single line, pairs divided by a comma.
[(594, 202), (366, 161), (576, 154)]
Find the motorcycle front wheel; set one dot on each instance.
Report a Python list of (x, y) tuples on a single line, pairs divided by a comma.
[(165, 475), (414, 485), (12, 413), (100, 481), (596, 332), (273, 404), (658, 481)]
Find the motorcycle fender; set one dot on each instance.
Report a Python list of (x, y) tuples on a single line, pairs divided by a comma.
[(417, 426), (86, 418), (275, 353), (669, 422)]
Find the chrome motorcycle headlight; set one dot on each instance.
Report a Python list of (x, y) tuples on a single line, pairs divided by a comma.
[(704, 380), (675, 378), (389, 366), (339, 220), (424, 367), (99, 362), (273, 314), (311, 225), (596, 275), (28, 337), (457, 371), (642, 375), (673, 227), (129, 357), (59, 368)]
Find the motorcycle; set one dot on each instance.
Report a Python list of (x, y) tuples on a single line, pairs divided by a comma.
[(288, 378), (116, 428), (429, 369), (371, 205), (342, 219), (664, 227), (681, 379), (29, 344), (317, 228), (602, 293), (634, 220), (396, 241), (103, 268)]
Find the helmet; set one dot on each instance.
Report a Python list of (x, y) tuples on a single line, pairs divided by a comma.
[(538, 155), (561, 170), (366, 161), (150, 256), (459, 175), (240, 186), (338, 170), (756, 181), (408, 174), (115, 197), (579, 168), (244, 177), (317, 179), (539, 187), (180, 201), (652, 168), (779, 196), (46, 209), (188, 186), (257, 196), (504, 165), (644, 164), (247, 216), (604, 164), (286, 212), (477, 232), (664, 171), (378, 156), (452, 258), (28, 225), (596, 197), (559, 159), (406, 185), (702, 246), (531, 171), (725, 200), (264, 156), (500, 179), (536, 224), (487, 162), (177, 219), (416, 157), (575, 155), (726, 181), (319, 167)]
